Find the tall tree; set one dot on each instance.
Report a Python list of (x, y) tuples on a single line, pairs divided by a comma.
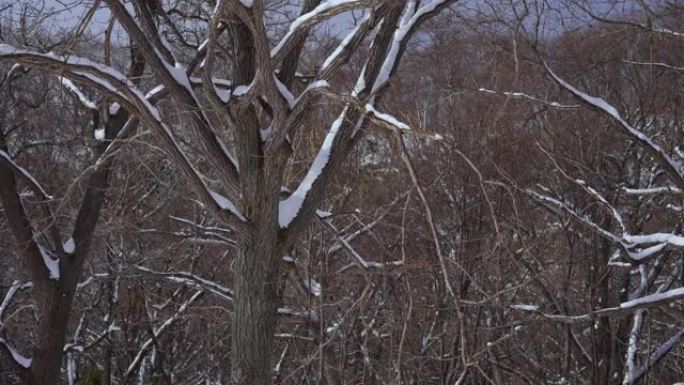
[(244, 125)]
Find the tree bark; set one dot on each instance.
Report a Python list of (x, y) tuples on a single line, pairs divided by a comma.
[(46, 361), (256, 305)]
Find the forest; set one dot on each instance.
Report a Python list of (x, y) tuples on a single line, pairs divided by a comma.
[(331, 192)]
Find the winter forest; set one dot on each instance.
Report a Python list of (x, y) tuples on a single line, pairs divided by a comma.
[(331, 192)]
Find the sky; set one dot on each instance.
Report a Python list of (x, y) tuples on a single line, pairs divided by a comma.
[(67, 14)]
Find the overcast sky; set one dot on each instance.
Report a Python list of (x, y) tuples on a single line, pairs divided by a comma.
[(66, 14)]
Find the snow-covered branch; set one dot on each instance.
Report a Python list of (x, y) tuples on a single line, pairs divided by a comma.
[(25, 176), (22, 361), (522, 95), (193, 281), (157, 332), (305, 22), (672, 166), (118, 86), (648, 301)]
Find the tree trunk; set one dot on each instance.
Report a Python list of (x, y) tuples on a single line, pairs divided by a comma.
[(46, 362), (256, 304)]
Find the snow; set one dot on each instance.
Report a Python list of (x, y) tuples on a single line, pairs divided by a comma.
[(247, 3), (330, 7), (313, 286), (360, 83), (400, 35), (25, 173), (289, 208), (659, 353), (671, 295), (241, 90), (77, 91), (389, 119), (71, 369), (69, 246), (316, 85), (194, 281), (525, 307), (114, 108), (16, 286), (156, 332), (104, 76), (647, 252), (673, 239), (180, 76), (223, 94), (609, 109), (226, 204), (99, 134), (652, 190), (630, 355), (18, 358), (284, 91), (154, 91), (51, 264), (323, 214), (344, 43)]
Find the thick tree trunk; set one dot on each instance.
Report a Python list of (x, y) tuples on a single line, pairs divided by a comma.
[(46, 362), (256, 304)]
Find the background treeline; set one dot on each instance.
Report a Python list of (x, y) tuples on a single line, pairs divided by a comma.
[(507, 191)]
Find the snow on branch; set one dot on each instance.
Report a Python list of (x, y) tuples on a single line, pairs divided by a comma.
[(156, 332), (175, 78), (118, 86), (226, 204), (657, 354), (673, 167), (637, 247), (18, 358), (25, 176), (654, 299), (205, 285), (385, 119), (51, 263), (364, 263), (338, 54), (192, 280), (13, 289), (555, 205), (78, 93), (653, 190), (409, 21), (303, 23), (290, 207), (522, 95)]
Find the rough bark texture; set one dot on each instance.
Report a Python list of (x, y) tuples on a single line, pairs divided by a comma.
[(256, 303)]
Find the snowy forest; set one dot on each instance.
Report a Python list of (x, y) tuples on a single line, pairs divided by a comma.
[(333, 192)]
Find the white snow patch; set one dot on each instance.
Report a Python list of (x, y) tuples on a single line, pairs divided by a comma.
[(51, 264), (18, 358), (241, 90), (326, 6), (69, 246), (289, 208), (654, 298), (226, 204), (100, 134), (525, 307), (114, 108), (77, 91), (389, 119)]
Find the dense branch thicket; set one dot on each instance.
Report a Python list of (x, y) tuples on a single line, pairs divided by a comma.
[(341, 192)]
